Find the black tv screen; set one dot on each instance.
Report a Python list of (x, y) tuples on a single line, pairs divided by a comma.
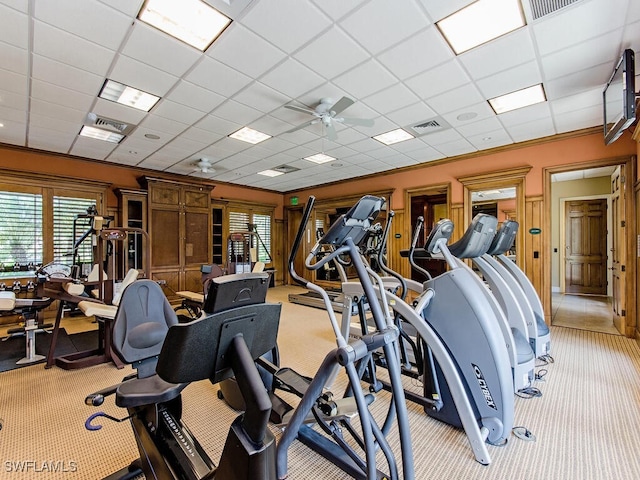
[(619, 98)]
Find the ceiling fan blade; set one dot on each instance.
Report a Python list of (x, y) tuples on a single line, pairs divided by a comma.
[(363, 122), (300, 109), (304, 125), (331, 132), (341, 105)]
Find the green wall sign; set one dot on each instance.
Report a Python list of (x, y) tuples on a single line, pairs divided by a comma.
[(535, 231)]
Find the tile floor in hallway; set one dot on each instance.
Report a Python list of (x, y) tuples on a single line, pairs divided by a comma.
[(585, 312)]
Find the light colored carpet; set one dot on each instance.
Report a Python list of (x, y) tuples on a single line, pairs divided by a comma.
[(586, 423)]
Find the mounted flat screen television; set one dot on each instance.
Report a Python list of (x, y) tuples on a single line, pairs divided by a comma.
[(619, 98)]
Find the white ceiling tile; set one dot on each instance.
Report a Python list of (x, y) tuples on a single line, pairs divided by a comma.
[(590, 53), (57, 125), (261, 97), (20, 5), (141, 76), (70, 49), (54, 111), (289, 32), (178, 112), (60, 95), (479, 127), (13, 115), (436, 139), (439, 10), (365, 79), (438, 80), (426, 154), (452, 149), (576, 82), (92, 148), (66, 76), (525, 114), (88, 19), (117, 111), (577, 23), (481, 110), (200, 135), (153, 47), (337, 9), (511, 80), (540, 128), (195, 96), (492, 139), (332, 53), (129, 7), (392, 98), (14, 59), (218, 125), (13, 82), (237, 112), (579, 101), (156, 122), (14, 27), (217, 77), (369, 22), (578, 119), (503, 53), (630, 33), (411, 115), (271, 126), (456, 99), (50, 140), (14, 101), (292, 79), (245, 51), (13, 133)]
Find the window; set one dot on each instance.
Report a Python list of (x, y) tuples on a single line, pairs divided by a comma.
[(36, 226), (20, 229), (65, 212), (245, 219)]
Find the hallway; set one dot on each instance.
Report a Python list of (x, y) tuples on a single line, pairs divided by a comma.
[(583, 312)]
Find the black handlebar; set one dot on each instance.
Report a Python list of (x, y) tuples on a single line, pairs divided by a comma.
[(298, 241)]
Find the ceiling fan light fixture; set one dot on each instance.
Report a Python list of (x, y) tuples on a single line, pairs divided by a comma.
[(250, 135), (320, 158), (204, 165), (193, 22), (480, 22), (394, 136)]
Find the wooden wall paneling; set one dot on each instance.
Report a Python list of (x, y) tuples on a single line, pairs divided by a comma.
[(394, 245), (279, 253), (457, 217), (533, 243), (636, 254)]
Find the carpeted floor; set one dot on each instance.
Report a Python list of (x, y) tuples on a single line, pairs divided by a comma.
[(586, 423)]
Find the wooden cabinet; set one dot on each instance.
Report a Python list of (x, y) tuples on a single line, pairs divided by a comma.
[(133, 214), (180, 228), (218, 233)]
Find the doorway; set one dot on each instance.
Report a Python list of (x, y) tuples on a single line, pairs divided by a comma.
[(585, 226)]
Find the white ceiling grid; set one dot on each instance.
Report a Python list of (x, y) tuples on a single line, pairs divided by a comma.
[(386, 55)]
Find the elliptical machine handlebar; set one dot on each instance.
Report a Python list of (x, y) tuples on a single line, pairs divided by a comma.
[(298, 241)]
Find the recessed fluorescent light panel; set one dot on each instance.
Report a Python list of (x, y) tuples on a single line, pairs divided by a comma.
[(394, 136), (100, 134), (191, 21), (249, 135), (518, 99), (319, 158), (125, 95), (481, 22), (270, 173)]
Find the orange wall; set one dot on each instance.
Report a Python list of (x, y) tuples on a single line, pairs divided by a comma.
[(537, 155), (24, 160)]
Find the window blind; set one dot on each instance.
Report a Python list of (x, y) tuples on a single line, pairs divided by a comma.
[(65, 210), (20, 229)]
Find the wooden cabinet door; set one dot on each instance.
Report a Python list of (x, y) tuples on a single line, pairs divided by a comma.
[(165, 238)]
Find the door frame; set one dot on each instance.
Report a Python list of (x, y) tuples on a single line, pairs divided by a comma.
[(561, 260), (630, 171)]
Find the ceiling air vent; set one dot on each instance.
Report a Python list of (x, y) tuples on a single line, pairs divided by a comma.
[(429, 126), (286, 169), (108, 124), (540, 8)]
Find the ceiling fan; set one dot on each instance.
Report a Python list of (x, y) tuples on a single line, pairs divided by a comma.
[(326, 113), (204, 166)]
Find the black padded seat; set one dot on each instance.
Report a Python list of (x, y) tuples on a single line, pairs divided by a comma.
[(146, 391)]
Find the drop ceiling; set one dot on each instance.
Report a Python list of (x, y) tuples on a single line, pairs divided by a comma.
[(387, 55)]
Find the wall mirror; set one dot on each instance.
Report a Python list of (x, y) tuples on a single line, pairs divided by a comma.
[(500, 194)]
